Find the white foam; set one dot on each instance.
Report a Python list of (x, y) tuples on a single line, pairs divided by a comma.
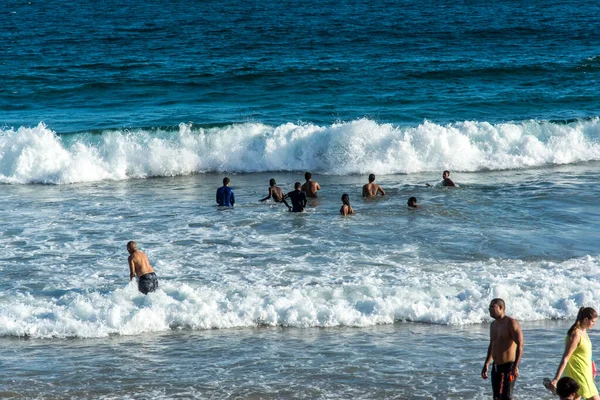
[(452, 294), (38, 155)]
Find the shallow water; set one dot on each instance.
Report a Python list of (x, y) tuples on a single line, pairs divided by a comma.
[(402, 361)]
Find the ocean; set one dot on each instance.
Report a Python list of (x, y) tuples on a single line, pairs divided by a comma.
[(119, 120)]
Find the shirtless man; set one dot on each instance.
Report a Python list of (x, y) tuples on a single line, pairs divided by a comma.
[(309, 187), (371, 189), (274, 191), (446, 179), (140, 266), (505, 349)]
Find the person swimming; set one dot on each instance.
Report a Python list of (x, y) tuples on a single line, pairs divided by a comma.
[(346, 207), (412, 202)]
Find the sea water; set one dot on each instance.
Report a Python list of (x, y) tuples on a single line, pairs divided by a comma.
[(119, 120)]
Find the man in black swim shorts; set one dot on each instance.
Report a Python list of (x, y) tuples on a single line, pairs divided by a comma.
[(140, 266)]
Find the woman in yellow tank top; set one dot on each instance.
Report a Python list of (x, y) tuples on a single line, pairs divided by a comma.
[(576, 361)]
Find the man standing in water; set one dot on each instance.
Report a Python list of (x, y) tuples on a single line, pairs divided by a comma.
[(310, 187), (225, 197), (371, 189), (505, 349), (140, 266), (298, 198), (274, 191)]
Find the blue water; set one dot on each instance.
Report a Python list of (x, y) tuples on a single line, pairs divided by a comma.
[(118, 121), (82, 66)]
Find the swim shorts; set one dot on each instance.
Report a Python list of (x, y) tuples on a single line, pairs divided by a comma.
[(502, 384), (148, 283)]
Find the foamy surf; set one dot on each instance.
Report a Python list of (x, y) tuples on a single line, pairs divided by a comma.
[(457, 294), (39, 155)]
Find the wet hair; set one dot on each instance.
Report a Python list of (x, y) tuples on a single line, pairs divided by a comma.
[(584, 312), (226, 180), (411, 200), (371, 177), (566, 387), (346, 199), (446, 172), (297, 185), (498, 302), (272, 182), (132, 245), (307, 175)]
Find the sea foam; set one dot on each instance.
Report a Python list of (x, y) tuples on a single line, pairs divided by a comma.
[(456, 295), (39, 155)]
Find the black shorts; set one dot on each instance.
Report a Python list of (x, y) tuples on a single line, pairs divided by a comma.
[(148, 283), (502, 384)]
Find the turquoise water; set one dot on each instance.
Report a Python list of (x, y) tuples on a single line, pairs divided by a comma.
[(118, 122)]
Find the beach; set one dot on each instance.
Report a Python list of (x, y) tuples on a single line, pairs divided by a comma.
[(119, 121)]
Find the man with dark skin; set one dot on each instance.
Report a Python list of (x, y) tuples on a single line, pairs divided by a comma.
[(140, 266), (505, 349), (446, 179), (309, 187), (298, 198), (274, 191), (371, 189)]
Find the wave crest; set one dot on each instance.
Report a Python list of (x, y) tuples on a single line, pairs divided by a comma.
[(39, 155)]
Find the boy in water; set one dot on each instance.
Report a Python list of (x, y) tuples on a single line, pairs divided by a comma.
[(446, 179), (274, 191)]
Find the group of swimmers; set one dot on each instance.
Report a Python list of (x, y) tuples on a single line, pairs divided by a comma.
[(299, 196), (140, 267), (506, 349)]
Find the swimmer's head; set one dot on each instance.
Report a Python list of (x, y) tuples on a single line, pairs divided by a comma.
[(446, 174), (226, 181), (131, 246), (412, 202), (272, 182), (308, 176), (297, 186), (346, 199), (371, 178)]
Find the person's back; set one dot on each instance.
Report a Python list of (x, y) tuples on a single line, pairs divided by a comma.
[(346, 208), (139, 266), (275, 192), (225, 196), (298, 198), (309, 187), (371, 189)]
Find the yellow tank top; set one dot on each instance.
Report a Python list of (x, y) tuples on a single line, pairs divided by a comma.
[(579, 366)]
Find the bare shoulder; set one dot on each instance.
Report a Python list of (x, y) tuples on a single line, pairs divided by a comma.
[(513, 323)]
